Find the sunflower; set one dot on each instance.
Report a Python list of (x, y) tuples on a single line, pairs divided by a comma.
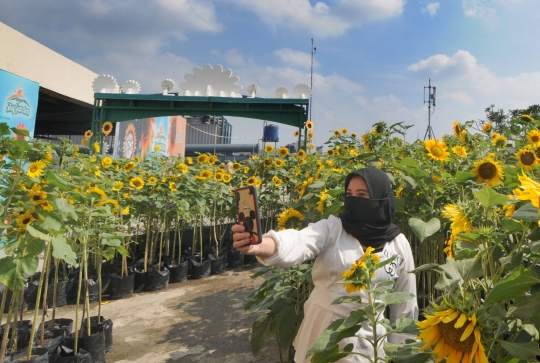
[(117, 186), (189, 160), (454, 336), (337, 132), (106, 162), (236, 166), (88, 134), (258, 182), (494, 135), (533, 136), (227, 178), (309, 125), (487, 127), (212, 160), (344, 131), (488, 170), (218, 176), (499, 141), (399, 192), (152, 180), (460, 151), (457, 128), (358, 275), (301, 153), (365, 142), (283, 151), (47, 206), (25, 219), (268, 162), (449, 249), (95, 191), (268, 148), (251, 181), (279, 163), (437, 150), (137, 182), (202, 159), (527, 159), (321, 203), (129, 166), (107, 128), (204, 174), (38, 196), (172, 187), (310, 135), (353, 134), (291, 215), (277, 181), (460, 222), (463, 136), (527, 118), (157, 148), (330, 152), (296, 133), (97, 147), (531, 190), (36, 169), (85, 141), (311, 146), (246, 169)]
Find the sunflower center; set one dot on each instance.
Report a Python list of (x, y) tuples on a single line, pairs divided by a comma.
[(436, 151), (527, 158), (535, 138), (27, 220), (487, 170), (137, 183), (452, 337), (36, 198)]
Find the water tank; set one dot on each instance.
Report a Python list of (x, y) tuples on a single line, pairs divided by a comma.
[(271, 133), (291, 147)]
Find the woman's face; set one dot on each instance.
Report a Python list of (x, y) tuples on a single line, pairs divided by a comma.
[(357, 188)]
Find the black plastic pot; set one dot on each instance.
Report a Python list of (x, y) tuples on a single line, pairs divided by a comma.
[(52, 340), (41, 353), (179, 273), (235, 258), (140, 279), (217, 265), (106, 326), (121, 287), (93, 344), (66, 324), (23, 333), (61, 294), (200, 270), (157, 280), (67, 356)]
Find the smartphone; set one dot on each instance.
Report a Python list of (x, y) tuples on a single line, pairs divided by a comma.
[(248, 212)]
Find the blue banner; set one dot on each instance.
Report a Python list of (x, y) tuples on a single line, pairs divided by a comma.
[(18, 102)]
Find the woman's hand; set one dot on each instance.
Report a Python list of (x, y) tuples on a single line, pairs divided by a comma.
[(265, 249)]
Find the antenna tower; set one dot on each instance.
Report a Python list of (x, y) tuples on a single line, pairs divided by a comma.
[(313, 52), (432, 92)]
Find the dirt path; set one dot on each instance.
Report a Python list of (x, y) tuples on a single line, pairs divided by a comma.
[(194, 321)]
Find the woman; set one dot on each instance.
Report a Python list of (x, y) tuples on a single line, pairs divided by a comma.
[(366, 221)]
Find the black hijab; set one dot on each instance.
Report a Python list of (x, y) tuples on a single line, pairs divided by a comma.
[(370, 220)]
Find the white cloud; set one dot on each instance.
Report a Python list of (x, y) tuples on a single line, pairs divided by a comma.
[(460, 64), (476, 9), (295, 58), (321, 19), (431, 9)]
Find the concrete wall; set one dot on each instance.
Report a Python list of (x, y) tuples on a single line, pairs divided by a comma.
[(27, 58)]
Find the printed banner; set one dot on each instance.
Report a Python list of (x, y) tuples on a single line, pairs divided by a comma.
[(18, 102), (140, 137)]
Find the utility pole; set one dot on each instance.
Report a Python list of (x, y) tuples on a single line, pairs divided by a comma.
[(313, 52), (432, 91)]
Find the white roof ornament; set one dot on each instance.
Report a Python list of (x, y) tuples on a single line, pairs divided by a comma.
[(210, 81), (105, 84), (131, 87), (253, 89), (302, 90), (167, 86), (282, 92)]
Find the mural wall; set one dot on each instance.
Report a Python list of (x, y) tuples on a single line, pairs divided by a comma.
[(139, 137)]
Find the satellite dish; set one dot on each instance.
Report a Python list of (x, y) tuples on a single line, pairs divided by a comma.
[(302, 90), (105, 84), (131, 87), (282, 92), (253, 89), (211, 81), (167, 86)]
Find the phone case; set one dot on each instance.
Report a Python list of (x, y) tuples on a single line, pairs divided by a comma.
[(248, 212)]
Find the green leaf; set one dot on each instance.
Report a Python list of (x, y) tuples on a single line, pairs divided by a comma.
[(1, 209), (396, 297), (468, 236), (11, 270), (512, 226), (51, 223), (527, 213), (534, 246), (114, 242), (525, 307), (426, 267), (263, 329), (512, 286), (408, 161), (463, 176), (332, 355), (38, 234), (337, 331), (408, 179), (406, 325), (336, 205), (288, 325), (62, 250), (123, 251), (21, 144), (28, 264), (64, 209), (21, 132), (488, 197), (58, 181), (525, 351), (4, 129), (35, 246), (422, 229), (511, 262)]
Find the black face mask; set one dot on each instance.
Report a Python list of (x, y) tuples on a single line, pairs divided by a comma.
[(370, 220)]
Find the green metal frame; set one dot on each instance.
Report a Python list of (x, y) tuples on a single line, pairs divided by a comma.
[(122, 107)]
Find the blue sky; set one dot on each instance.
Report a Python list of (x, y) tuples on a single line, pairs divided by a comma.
[(373, 56)]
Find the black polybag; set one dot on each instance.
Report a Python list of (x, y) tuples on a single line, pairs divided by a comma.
[(67, 356), (121, 287), (200, 270), (179, 272), (217, 264), (156, 280), (42, 356), (61, 294)]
